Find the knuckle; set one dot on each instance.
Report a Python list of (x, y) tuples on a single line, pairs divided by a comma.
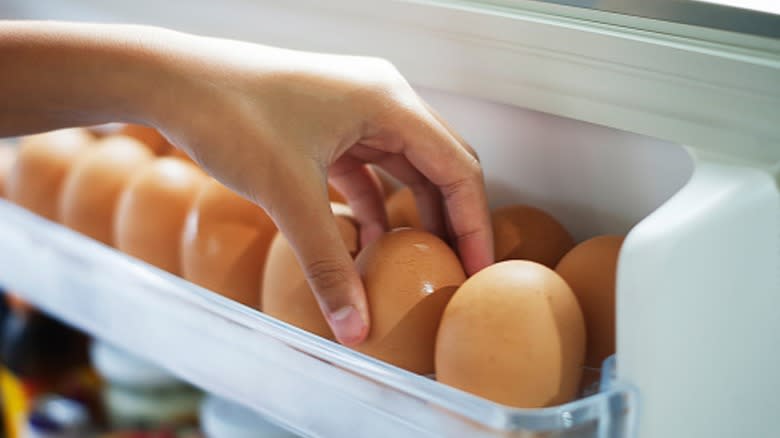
[(473, 153), (472, 172), (327, 277), (388, 80), (475, 169), (384, 64), (473, 233), (451, 190)]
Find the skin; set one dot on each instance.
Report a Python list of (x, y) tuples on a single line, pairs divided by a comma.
[(272, 124)]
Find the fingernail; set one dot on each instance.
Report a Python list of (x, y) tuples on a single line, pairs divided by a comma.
[(348, 325)]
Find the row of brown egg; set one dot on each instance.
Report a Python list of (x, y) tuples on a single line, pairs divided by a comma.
[(514, 333)]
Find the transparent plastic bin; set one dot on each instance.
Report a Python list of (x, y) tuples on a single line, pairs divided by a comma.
[(312, 386), (595, 180)]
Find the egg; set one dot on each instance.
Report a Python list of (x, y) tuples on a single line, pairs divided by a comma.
[(335, 196), (148, 136), (7, 159), (409, 276), (527, 233), (402, 210), (179, 153), (91, 189), (43, 161), (285, 292), (225, 242), (513, 333), (152, 211), (590, 269)]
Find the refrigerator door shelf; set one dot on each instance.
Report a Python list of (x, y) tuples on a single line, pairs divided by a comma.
[(312, 386)]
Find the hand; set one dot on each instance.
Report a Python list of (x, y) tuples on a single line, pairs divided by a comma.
[(274, 124)]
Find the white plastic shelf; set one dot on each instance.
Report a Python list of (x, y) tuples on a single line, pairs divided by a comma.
[(309, 385)]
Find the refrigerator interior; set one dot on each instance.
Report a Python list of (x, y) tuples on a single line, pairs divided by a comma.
[(595, 180), (703, 226)]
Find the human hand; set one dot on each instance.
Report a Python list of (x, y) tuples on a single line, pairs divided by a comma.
[(273, 125)]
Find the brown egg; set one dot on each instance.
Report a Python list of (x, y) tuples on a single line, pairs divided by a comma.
[(179, 153), (409, 276), (225, 242), (590, 269), (7, 159), (527, 233), (91, 190), (335, 196), (148, 136), (402, 210), (286, 294), (152, 210), (43, 161), (513, 333)]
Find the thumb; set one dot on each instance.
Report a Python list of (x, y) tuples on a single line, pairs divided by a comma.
[(306, 220)]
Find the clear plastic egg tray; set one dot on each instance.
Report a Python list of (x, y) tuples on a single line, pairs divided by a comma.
[(312, 386)]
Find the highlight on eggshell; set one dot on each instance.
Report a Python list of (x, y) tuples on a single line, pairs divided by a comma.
[(285, 292), (590, 269), (149, 136), (527, 233), (180, 154), (152, 211), (225, 243), (91, 190), (513, 333), (8, 154), (402, 210), (409, 276), (43, 160)]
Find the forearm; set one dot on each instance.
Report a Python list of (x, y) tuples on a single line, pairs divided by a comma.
[(55, 75)]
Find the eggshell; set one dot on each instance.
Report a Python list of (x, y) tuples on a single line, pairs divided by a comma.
[(513, 333), (402, 210), (409, 276), (590, 269), (225, 242), (528, 233), (91, 190), (335, 196), (152, 210), (7, 159), (147, 135), (179, 153), (286, 294), (43, 160)]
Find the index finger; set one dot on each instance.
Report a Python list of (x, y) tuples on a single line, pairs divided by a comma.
[(440, 157)]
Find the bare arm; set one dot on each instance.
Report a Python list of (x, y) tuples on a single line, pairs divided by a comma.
[(57, 75), (272, 124)]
